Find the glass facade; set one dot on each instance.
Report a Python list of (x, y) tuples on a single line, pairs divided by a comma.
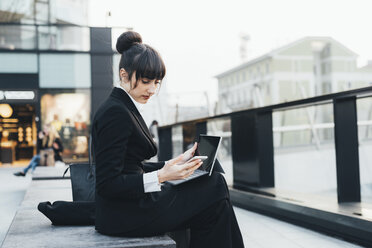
[(65, 71), (68, 38), (18, 63), (18, 37)]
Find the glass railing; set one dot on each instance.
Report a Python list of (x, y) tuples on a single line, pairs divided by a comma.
[(364, 108), (304, 151), (295, 149)]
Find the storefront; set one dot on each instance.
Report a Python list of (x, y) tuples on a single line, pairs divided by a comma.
[(68, 112), (17, 126)]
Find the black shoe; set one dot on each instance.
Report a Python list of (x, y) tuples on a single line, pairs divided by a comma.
[(20, 173)]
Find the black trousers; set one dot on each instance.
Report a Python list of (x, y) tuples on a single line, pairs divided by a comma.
[(211, 220), (215, 226)]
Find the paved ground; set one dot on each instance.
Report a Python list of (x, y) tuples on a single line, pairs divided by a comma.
[(259, 231), (12, 190)]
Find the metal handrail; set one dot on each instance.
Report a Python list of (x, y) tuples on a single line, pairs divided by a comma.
[(308, 102)]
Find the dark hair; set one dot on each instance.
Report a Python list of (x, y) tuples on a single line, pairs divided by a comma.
[(139, 58)]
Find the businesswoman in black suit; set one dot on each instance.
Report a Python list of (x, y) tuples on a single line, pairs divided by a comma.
[(131, 199)]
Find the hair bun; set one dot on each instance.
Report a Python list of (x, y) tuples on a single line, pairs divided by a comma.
[(126, 40)]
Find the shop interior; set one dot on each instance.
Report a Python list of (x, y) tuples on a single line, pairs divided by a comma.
[(17, 134)]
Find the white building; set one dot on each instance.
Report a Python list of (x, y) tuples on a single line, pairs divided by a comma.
[(307, 67)]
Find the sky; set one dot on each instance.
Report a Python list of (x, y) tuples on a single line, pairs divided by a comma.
[(199, 39)]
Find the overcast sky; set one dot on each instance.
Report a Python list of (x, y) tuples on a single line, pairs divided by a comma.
[(199, 39)]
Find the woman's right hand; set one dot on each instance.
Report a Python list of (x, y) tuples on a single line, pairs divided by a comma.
[(174, 171)]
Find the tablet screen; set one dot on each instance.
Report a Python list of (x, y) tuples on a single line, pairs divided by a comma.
[(207, 146)]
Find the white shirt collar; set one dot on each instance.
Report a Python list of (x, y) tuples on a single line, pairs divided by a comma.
[(138, 105)]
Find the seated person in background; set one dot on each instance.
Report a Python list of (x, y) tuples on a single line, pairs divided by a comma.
[(47, 139), (57, 149)]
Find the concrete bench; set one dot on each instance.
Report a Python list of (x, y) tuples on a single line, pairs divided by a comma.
[(30, 228)]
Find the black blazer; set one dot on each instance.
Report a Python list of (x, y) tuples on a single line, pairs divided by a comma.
[(121, 141)]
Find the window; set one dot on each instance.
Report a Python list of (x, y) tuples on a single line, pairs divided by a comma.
[(18, 63), (65, 71)]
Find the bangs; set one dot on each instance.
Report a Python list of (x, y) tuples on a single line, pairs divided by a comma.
[(149, 65)]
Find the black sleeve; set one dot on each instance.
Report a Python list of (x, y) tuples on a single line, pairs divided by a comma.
[(152, 166), (39, 144), (111, 132)]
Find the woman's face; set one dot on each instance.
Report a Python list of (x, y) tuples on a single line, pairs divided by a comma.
[(145, 89)]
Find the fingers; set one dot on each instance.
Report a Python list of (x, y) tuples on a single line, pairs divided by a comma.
[(192, 165), (177, 160), (188, 171), (194, 148)]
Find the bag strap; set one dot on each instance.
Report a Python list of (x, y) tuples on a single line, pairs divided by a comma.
[(90, 159), (64, 173)]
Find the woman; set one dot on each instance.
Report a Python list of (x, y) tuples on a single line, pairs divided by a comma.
[(130, 197), (48, 139)]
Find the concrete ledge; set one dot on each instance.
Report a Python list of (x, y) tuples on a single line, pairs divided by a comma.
[(31, 229), (46, 190), (350, 228)]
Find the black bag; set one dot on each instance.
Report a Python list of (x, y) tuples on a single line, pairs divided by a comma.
[(83, 179)]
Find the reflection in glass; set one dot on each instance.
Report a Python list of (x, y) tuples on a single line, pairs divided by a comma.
[(69, 114), (17, 37), (222, 127), (177, 140), (304, 151), (188, 133), (64, 38)]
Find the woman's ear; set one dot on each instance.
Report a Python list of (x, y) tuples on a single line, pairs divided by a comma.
[(123, 74)]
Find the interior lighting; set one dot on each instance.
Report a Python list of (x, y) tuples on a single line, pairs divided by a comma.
[(5, 110)]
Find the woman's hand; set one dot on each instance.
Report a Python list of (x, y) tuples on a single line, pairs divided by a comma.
[(186, 156), (175, 169)]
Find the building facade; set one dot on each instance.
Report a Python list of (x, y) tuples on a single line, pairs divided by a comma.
[(54, 74), (61, 85)]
